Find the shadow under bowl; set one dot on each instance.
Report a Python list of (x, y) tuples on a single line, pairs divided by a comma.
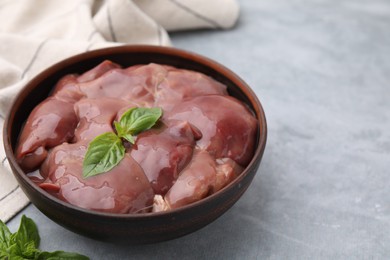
[(145, 227)]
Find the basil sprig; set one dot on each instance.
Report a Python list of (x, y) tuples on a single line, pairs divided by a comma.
[(24, 244), (107, 150)]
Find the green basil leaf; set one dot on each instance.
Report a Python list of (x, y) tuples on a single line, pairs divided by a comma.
[(129, 138), (29, 251), (103, 154), (5, 241), (5, 236), (119, 129), (4, 254), (23, 244), (27, 233), (15, 252), (136, 120), (58, 255)]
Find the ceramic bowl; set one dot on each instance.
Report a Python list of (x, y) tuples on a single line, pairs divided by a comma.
[(145, 227)]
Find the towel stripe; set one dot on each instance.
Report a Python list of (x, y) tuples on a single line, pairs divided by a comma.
[(196, 14), (33, 58), (9, 193)]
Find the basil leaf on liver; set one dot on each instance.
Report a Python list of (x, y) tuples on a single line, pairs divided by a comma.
[(136, 120), (103, 154)]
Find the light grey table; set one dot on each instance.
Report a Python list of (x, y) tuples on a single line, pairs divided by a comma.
[(321, 68)]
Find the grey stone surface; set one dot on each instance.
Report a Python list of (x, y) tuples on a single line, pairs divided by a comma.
[(321, 68)]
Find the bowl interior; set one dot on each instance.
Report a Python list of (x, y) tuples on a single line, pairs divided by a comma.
[(116, 225)]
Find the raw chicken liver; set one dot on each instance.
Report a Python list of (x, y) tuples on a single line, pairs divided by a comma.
[(203, 141)]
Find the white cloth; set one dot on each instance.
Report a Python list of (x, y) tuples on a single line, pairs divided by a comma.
[(35, 34)]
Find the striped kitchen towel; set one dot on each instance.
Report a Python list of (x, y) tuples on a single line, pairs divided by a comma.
[(35, 34)]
